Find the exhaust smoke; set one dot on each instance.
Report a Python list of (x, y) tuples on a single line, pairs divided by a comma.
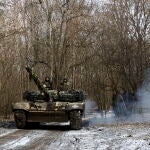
[(143, 94), (134, 108)]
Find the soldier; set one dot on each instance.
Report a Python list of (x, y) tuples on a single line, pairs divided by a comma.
[(48, 83), (118, 104), (64, 85)]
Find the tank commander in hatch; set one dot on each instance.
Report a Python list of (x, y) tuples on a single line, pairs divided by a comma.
[(48, 83)]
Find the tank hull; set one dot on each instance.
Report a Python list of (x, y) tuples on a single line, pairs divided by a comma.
[(47, 111)]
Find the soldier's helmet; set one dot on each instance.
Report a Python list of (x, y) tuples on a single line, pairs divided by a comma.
[(65, 80)]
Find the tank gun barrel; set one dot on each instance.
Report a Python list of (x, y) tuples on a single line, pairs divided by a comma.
[(36, 80)]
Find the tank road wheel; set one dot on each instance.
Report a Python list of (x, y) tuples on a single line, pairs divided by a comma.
[(20, 119), (75, 120)]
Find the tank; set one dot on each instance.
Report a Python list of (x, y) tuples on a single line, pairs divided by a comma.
[(49, 106)]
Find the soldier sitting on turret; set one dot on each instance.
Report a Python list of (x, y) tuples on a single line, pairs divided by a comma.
[(48, 83), (64, 85)]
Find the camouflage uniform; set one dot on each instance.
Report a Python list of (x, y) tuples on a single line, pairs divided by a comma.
[(64, 85), (48, 83)]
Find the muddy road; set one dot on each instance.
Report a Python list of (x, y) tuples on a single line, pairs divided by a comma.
[(98, 133), (38, 137), (58, 137)]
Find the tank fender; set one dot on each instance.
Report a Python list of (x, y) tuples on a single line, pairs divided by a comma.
[(75, 106), (21, 106)]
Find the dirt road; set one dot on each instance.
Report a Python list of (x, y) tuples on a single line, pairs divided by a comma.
[(30, 139), (48, 137), (98, 133)]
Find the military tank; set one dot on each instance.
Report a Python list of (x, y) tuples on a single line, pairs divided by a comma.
[(49, 106)]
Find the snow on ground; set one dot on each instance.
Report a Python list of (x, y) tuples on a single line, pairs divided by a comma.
[(110, 137), (128, 137), (23, 140), (98, 133), (16, 143), (4, 132), (107, 132)]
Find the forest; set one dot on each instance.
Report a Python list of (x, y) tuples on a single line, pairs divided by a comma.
[(99, 46)]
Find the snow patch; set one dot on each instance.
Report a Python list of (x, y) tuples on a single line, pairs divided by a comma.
[(17, 143), (4, 132), (131, 144), (23, 141), (101, 138)]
